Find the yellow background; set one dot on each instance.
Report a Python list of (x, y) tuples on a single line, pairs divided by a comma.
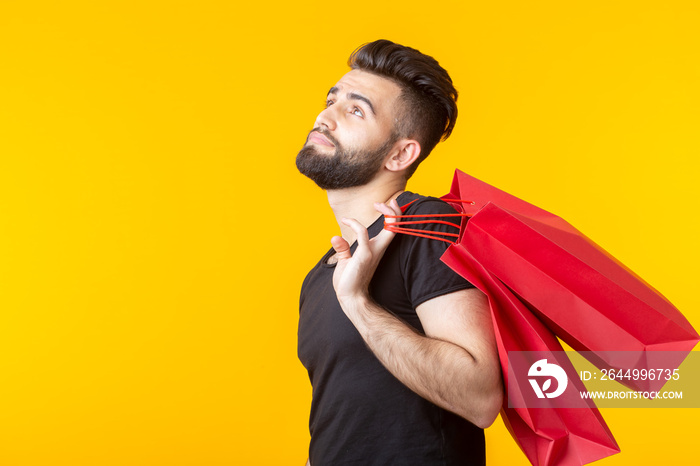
[(154, 230)]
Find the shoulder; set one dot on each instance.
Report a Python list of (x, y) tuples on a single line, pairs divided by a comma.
[(430, 226), (416, 204), (426, 215)]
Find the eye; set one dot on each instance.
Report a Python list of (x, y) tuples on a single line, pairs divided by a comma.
[(357, 112), (329, 102)]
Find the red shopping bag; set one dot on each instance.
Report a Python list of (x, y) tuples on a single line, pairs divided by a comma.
[(585, 296), (543, 277), (570, 436)]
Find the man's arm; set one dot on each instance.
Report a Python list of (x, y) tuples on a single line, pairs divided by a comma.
[(455, 365)]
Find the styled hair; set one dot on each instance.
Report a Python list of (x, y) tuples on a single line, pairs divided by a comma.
[(427, 108)]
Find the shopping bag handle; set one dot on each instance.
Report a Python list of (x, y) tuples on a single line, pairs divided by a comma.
[(399, 226)]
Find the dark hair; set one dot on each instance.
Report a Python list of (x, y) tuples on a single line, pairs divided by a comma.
[(428, 100)]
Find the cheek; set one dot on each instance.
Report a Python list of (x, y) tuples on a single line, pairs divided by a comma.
[(364, 134)]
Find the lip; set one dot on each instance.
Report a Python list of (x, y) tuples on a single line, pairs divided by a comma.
[(319, 138)]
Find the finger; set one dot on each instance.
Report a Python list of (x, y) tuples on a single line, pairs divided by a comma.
[(394, 204), (383, 239), (388, 210), (360, 231), (341, 247)]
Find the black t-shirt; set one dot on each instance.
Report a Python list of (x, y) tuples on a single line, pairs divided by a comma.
[(360, 413)]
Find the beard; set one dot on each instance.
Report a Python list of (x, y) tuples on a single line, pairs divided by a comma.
[(344, 168)]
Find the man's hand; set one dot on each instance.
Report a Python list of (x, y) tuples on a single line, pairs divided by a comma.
[(354, 272)]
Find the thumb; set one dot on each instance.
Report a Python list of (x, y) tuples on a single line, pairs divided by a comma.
[(342, 248)]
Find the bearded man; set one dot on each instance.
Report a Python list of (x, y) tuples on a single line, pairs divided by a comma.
[(400, 350)]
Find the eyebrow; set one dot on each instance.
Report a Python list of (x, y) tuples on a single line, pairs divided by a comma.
[(354, 96)]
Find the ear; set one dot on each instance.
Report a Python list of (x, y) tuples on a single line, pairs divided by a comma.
[(403, 154)]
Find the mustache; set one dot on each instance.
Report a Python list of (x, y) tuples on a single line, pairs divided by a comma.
[(325, 133)]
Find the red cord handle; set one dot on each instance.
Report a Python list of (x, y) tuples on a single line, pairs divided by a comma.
[(397, 228)]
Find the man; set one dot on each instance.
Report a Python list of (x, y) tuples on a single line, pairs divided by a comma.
[(400, 350)]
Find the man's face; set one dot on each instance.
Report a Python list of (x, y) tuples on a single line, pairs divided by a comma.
[(353, 135)]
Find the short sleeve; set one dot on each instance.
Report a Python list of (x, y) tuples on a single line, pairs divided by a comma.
[(425, 275)]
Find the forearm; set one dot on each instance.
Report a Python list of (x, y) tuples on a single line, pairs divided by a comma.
[(442, 372)]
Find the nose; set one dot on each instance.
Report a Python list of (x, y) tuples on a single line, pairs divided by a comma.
[(326, 118)]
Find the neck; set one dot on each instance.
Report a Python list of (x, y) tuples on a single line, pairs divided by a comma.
[(358, 203)]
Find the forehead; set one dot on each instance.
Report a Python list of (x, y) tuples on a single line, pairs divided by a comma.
[(381, 91)]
